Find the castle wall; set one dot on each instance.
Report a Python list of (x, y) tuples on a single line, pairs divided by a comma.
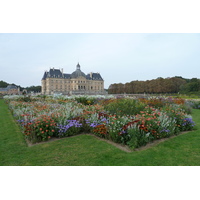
[(55, 81), (69, 86)]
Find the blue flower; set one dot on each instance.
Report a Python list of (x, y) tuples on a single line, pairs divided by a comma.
[(71, 123), (165, 130), (188, 121)]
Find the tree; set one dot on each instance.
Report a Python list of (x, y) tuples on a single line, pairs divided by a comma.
[(3, 84), (159, 85)]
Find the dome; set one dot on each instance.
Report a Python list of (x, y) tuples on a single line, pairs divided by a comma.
[(9, 87), (78, 72)]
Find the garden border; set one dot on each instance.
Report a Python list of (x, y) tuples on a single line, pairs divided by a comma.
[(122, 147)]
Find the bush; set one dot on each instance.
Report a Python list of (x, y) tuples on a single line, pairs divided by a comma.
[(123, 106), (85, 100), (73, 127), (40, 129), (126, 121), (193, 104)]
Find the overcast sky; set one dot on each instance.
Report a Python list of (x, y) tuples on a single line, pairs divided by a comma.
[(119, 58)]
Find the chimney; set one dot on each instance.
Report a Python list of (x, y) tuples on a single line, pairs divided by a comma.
[(90, 74)]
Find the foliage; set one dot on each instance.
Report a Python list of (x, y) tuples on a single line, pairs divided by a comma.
[(159, 85), (193, 85), (33, 89), (132, 122), (85, 100), (25, 99), (3, 84), (193, 104), (40, 129), (85, 150), (73, 127), (124, 106)]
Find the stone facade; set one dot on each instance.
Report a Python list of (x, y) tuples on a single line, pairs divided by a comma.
[(55, 81), (10, 89)]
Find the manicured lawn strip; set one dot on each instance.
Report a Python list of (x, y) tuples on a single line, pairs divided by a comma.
[(86, 150)]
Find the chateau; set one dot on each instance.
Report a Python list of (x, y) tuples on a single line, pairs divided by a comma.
[(10, 89), (55, 81)]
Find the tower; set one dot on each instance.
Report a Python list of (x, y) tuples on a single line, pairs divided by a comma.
[(78, 67)]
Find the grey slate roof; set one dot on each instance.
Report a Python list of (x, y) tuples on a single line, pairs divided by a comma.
[(56, 73), (9, 87), (77, 73), (96, 76)]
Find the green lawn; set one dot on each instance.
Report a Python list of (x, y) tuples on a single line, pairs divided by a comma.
[(86, 150)]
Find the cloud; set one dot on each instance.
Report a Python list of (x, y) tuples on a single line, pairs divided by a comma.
[(118, 57)]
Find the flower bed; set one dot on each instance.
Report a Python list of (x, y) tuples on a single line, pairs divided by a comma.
[(133, 122)]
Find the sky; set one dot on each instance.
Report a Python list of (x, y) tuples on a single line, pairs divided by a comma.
[(118, 57)]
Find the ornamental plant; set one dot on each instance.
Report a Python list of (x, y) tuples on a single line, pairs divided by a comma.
[(124, 106), (127, 121), (44, 128), (195, 104), (115, 126), (100, 130), (72, 127)]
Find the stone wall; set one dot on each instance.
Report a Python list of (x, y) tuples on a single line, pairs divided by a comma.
[(78, 85)]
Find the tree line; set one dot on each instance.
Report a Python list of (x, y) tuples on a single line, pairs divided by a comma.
[(160, 85), (4, 84)]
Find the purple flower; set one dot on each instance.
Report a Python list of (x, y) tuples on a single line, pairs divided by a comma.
[(94, 124), (165, 130), (71, 123), (188, 121)]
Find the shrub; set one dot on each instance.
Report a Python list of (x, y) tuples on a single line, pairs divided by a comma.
[(187, 124), (122, 107), (40, 129), (73, 127), (44, 128), (85, 100), (193, 104), (135, 136), (126, 121)]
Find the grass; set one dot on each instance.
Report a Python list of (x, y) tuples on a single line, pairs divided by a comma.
[(86, 150)]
